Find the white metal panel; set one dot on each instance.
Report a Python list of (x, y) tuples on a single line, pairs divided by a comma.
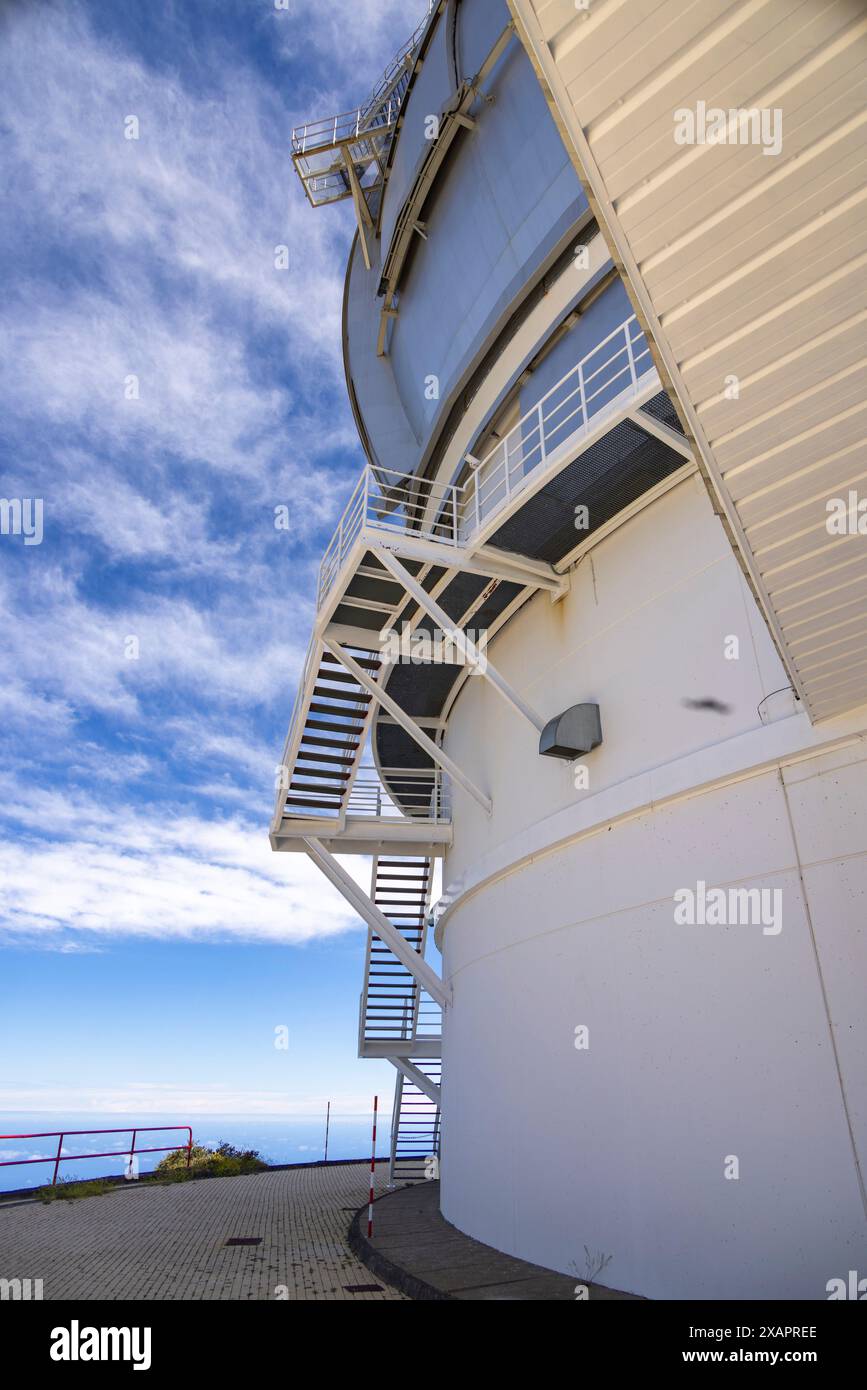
[(749, 268)]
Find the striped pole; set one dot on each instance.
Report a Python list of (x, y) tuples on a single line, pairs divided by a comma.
[(372, 1173), (327, 1122)]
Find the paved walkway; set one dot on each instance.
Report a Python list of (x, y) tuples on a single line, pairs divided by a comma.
[(416, 1249), (170, 1242)]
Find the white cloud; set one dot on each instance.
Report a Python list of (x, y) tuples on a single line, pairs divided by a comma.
[(119, 870), (166, 248), (201, 195), (77, 652), (356, 38)]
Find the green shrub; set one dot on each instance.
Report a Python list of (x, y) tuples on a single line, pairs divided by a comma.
[(223, 1162)]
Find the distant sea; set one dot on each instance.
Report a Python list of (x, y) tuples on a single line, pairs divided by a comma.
[(294, 1139)]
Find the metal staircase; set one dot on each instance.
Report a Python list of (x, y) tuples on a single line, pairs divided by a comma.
[(346, 156), (399, 1020), (415, 1130), (329, 735), (397, 1017), (444, 562)]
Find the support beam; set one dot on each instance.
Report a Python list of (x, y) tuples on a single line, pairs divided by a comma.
[(421, 972), (362, 211), (495, 54), (485, 561), (463, 643), (417, 1078), (423, 721), (525, 570), (405, 722), (361, 207), (427, 1045), (364, 638), (673, 438)]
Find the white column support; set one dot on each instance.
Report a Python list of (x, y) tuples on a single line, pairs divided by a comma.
[(404, 720), (417, 1078), (421, 972), (462, 642)]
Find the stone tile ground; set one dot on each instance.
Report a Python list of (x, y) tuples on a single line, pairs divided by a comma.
[(169, 1242)]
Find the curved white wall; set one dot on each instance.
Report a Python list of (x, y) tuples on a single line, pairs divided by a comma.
[(705, 1041)]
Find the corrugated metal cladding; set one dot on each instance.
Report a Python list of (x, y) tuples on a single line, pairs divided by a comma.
[(750, 263)]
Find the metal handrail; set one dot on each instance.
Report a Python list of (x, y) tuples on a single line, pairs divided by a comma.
[(453, 513), (316, 136), (382, 96), (423, 792), (61, 1157)]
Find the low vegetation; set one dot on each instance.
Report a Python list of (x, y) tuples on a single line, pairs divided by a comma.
[(67, 1191), (225, 1161)]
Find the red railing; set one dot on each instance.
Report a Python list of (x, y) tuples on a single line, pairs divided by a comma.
[(61, 1134)]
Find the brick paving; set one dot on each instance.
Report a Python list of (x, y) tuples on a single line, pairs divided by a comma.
[(169, 1242)]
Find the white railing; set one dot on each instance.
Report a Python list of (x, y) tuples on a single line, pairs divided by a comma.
[(562, 415), (454, 513), (415, 793), (314, 648), (398, 66), (391, 502), (381, 108), (405, 1018), (349, 125)]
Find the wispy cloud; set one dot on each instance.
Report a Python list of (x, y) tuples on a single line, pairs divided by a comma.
[(118, 869), (94, 658), (353, 39), (167, 386)]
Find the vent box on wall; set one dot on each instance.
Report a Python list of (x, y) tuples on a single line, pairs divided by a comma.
[(577, 730)]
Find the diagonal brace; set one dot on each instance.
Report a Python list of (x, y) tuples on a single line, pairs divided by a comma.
[(417, 1077), (373, 688), (417, 966), (459, 637)]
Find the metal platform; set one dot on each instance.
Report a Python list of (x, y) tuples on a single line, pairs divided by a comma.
[(427, 559), (346, 156)]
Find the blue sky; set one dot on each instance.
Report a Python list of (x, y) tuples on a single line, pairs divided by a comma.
[(151, 940)]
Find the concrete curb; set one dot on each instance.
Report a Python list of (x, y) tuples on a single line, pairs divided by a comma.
[(380, 1265)]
